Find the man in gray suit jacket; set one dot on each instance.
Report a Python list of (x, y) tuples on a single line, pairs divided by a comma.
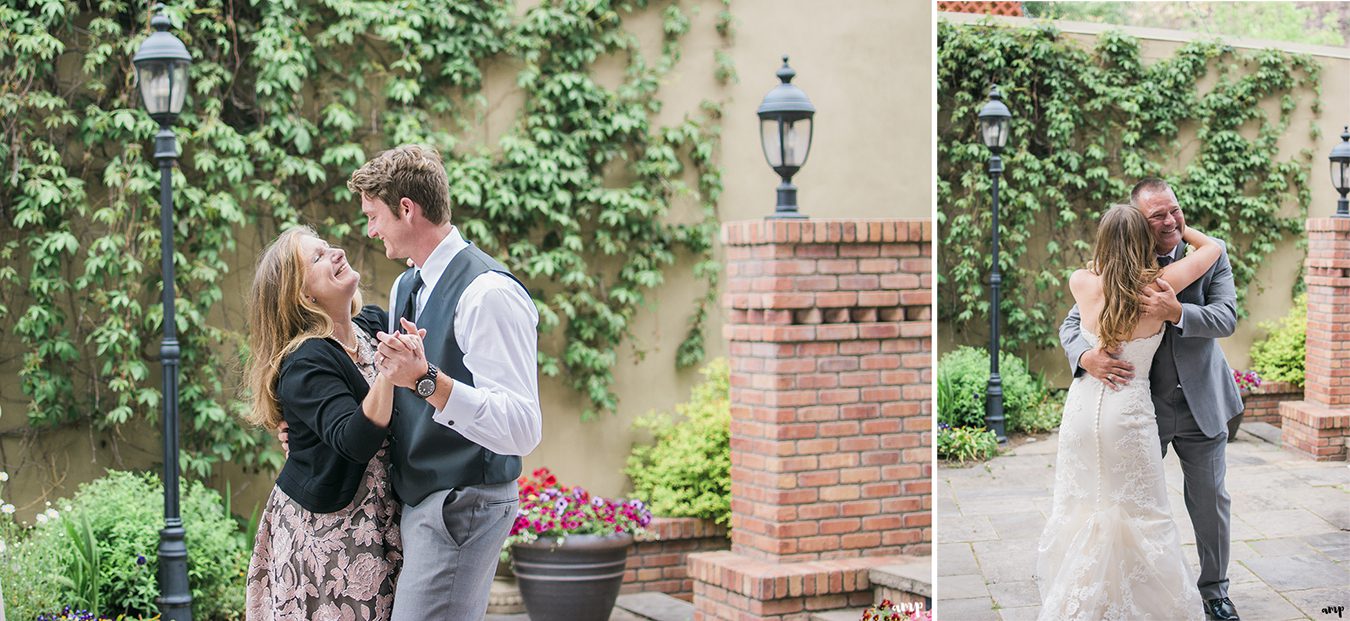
[(1193, 389)]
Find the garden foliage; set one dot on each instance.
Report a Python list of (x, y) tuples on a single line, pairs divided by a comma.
[(583, 195), (1086, 125), (1279, 357), (123, 512), (686, 471), (962, 444), (962, 380)]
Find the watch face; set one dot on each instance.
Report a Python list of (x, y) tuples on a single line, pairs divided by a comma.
[(425, 387)]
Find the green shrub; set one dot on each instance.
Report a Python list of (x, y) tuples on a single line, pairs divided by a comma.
[(29, 571), (1279, 356), (966, 443), (124, 512), (1044, 415), (963, 376), (687, 471)]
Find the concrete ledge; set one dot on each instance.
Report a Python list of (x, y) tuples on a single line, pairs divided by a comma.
[(915, 577), (656, 606), (1265, 432), (769, 580)]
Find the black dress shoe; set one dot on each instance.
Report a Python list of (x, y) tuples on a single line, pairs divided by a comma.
[(1221, 609)]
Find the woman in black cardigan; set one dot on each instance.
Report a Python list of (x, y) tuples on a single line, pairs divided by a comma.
[(328, 542)]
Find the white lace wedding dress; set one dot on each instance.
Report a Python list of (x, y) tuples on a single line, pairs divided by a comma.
[(1110, 549)]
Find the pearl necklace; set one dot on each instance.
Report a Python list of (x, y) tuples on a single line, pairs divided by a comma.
[(354, 348)]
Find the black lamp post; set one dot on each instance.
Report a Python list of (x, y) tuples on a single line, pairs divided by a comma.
[(1340, 172), (994, 121), (161, 69), (785, 133)]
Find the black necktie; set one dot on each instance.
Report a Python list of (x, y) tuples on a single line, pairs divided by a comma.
[(410, 307), (1163, 261)]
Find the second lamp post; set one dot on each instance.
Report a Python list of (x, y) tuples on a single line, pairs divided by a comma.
[(161, 68), (994, 121)]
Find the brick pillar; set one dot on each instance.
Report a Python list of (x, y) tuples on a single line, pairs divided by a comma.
[(831, 365), (1320, 424)]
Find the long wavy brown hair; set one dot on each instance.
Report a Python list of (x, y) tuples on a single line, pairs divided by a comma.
[(281, 317), (1125, 261)]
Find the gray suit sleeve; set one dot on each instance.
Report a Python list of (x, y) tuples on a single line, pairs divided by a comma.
[(1217, 317), (1071, 339)]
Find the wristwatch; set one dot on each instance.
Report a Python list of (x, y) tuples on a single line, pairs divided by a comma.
[(427, 385)]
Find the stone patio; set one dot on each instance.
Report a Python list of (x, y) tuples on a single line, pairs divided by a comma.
[(1291, 532)]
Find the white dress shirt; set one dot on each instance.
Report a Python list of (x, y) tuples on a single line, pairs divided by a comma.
[(495, 325), (1169, 255)]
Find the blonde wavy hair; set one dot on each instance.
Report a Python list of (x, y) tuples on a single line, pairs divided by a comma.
[(1125, 261), (281, 318)]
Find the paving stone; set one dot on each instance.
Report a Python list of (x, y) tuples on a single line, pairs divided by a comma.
[(1025, 613), (962, 587), (1015, 594), (958, 528), (998, 506), (1290, 550), (1013, 526), (954, 559), (1312, 601), (971, 609), (1287, 522), (1281, 546), (1006, 561), (1289, 573), (1260, 602), (1337, 516), (1335, 546)]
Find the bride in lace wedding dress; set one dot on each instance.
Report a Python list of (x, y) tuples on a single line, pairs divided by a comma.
[(1110, 549)]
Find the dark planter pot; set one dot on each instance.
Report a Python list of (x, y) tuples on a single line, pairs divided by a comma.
[(577, 581)]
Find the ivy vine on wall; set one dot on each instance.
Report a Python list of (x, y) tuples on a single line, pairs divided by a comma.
[(1086, 125), (288, 97)]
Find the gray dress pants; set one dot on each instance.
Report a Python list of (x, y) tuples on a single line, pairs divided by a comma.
[(1203, 467), (452, 541)]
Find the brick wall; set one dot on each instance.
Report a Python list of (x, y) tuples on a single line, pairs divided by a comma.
[(660, 564), (1011, 9), (1319, 425), (829, 330), (831, 358), (1263, 404), (1327, 374)]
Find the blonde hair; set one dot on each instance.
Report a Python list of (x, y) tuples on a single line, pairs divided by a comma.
[(281, 318), (412, 171), (1125, 261)]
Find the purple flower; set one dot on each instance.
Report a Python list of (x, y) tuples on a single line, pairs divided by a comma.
[(140, 559)]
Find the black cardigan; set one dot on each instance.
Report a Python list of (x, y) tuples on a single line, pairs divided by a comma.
[(320, 391)]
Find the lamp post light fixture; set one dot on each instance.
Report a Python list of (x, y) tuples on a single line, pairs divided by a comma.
[(785, 128), (994, 122), (1340, 172), (161, 69)]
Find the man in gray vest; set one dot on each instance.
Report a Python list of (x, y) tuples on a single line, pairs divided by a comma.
[(1192, 385), (468, 406)]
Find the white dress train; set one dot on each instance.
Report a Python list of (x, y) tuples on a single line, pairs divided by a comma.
[(1110, 549)]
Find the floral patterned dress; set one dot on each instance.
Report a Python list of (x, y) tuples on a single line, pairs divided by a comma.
[(338, 566)]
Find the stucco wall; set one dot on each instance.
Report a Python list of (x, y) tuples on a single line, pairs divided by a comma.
[(868, 71)]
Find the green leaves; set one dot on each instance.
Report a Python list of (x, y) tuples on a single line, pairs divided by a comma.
[(583, 194), (1086, 125)]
